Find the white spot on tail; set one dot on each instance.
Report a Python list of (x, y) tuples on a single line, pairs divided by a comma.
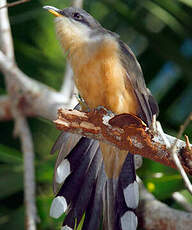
[(131, 194), (58, 207), (129, 221), (63, 171), (66, 228)]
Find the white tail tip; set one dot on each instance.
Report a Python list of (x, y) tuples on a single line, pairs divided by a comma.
[(58, 207), (129, 221), (66, 228)]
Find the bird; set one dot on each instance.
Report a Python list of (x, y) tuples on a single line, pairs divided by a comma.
[(95, 182)]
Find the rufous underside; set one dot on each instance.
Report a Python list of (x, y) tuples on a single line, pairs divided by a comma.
[(101, 80)]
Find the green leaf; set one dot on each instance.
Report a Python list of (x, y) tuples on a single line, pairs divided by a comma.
[(14, 220), (10, 155), (187, 2), (164, 187), (44, 171), (11, 181)]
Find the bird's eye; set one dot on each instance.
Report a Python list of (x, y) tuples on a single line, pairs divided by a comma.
[(77, 16)]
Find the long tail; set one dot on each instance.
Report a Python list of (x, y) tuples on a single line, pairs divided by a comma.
[(88, 192), (120, 197), (127, 196)]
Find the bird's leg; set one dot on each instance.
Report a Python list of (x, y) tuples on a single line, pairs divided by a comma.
[(83, 104), (109, 112)]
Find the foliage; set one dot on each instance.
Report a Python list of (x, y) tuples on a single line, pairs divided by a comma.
[(160, 34)]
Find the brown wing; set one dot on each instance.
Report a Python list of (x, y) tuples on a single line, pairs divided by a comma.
[(148, 105)]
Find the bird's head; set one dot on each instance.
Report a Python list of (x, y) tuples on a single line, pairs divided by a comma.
[(74, 26)]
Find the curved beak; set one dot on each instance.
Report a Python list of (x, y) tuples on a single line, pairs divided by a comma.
[(53, 10)]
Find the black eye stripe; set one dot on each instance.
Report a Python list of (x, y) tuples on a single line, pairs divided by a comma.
[(77, 16)]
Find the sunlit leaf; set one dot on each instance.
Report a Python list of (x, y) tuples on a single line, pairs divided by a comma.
[(187, 2)]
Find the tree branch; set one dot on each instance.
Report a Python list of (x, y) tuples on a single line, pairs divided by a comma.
[(125, 131), (153, 214), (14, 3), (78, 3), (5, 109), (21, 127), (175, 154), (26, 97), (23, 131), (6, 38), (32, 96)]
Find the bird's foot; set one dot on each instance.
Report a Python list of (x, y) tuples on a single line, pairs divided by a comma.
[(83, 104), (108, 112)]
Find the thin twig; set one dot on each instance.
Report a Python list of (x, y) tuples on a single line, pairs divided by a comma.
[(176, 158), (6, 44), (25, 136), (78, 3), (14, 4), (188, 145)]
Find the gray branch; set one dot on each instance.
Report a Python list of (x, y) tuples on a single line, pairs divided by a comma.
[(21, 127), (153, 214), (33, 96)]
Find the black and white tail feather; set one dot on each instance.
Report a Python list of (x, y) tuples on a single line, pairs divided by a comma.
[(86, 190)]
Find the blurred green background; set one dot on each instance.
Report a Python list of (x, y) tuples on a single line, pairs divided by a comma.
[(160, 34)]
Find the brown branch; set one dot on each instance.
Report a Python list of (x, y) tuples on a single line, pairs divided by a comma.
[(153, 214), (14, 4), (137, 138), (134, 136)]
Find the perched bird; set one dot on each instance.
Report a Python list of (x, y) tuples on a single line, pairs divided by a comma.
[(97, 181)]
